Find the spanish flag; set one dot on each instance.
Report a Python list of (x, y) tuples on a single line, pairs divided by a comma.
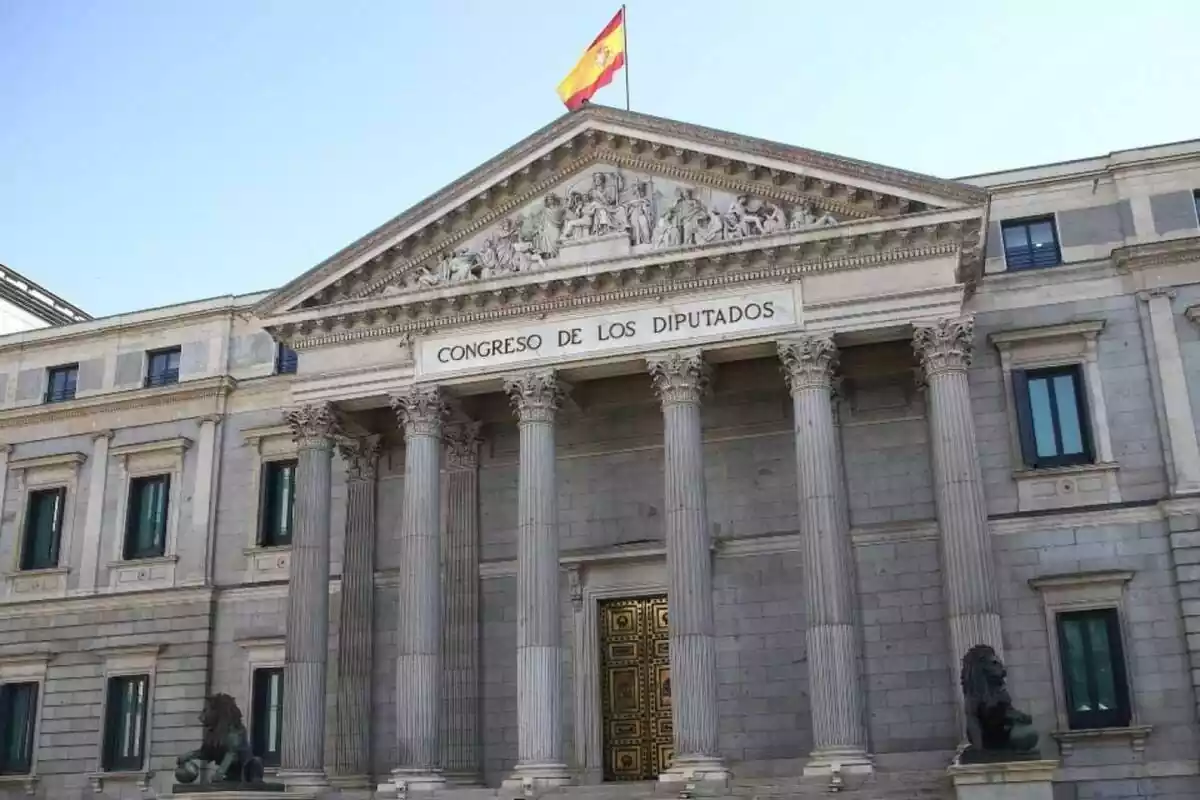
[(602, 59)]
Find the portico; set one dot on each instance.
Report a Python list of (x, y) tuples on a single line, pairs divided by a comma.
[(532, 314)]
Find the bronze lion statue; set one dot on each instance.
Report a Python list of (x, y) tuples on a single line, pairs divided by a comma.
[(995, 730), (225, 744)]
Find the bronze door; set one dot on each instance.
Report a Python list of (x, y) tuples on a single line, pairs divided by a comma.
[(635, 674)]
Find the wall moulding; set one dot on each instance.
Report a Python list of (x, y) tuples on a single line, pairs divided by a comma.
[(214, 389)]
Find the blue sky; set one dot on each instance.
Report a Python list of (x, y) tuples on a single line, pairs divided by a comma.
[(158, 152)]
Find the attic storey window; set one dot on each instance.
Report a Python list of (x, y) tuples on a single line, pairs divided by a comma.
[(285, 360), (162, 367), (61, 382), (1030, 243)]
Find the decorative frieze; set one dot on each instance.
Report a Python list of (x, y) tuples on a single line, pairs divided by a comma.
[(680, 376), (945, 344)]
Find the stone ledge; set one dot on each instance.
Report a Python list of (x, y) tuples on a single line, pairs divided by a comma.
[(1067, 487), (28, 783), (1002, 772), (1136, 735)]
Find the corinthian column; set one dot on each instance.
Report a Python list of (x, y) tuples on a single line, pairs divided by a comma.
[(352, 746), (680, 379), (536, 397), (972, 604), (419, 632), (306, 652), (835, 692), (460, 643)]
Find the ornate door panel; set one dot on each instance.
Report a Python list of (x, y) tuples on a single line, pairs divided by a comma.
[(635, 674)]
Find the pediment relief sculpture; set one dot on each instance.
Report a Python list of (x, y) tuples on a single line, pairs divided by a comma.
[(607, 213)]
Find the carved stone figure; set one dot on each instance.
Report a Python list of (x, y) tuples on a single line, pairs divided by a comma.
[(773, 218), (226, 744), (803, 217), (995, 730), (639, 212)]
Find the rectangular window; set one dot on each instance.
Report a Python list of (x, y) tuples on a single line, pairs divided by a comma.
[(60, 383), (162, 367), (1093, 666), (43, 528), (266, 715), (125, 723), (18, 724), (146, 518), (1030, 243), (1052, 417), (278, 503), (285, 360)]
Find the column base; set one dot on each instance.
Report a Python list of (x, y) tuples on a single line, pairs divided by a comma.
[(303, 781), (691, 769), (415, 780), (838, 760), (1013, 780), (537, 776), (464, 778)]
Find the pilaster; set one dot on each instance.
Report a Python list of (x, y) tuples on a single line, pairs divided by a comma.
[(421, 411), (1172, 383), (681, 378), (352, 743), (835, 688), (461, 742), (968, 572), (306, 653), (94, 517), (536, 396)]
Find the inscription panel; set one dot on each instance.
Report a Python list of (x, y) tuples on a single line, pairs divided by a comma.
[(631, 330)]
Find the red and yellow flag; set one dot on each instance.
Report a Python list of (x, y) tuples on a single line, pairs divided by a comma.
[(602, 59)]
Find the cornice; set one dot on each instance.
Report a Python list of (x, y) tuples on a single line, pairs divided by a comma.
[(176, 445), (216, 387), (89, 330), (1157, 254), (663, 274), (104, 602), (528, 162), (1083, 328)]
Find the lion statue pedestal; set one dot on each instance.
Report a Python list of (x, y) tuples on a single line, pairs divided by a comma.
[(236, 773), (1001, 760)]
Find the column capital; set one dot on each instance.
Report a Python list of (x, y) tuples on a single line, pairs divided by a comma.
[(945, 344), (361, 455), (536, 395), (421, 410), (462, 441), (680, 376), (313, 425), (808, 361)]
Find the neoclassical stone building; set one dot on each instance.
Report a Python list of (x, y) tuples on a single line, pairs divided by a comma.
[(643, 452)]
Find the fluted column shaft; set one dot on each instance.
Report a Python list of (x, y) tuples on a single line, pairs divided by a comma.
[(352, 746), (307, 647), (536, 397), (835, 691), (968, 573), (680, 379), (419, 622), (460, 643)]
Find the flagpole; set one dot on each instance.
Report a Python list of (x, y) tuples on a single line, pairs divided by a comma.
[(625, 46)]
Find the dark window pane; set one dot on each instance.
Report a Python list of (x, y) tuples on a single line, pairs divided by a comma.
[(162, 367), (266, 723), (286, 360), (43, 528), (1030, 243), (18, 724), (1093, 669), (1016, 237), (278, 503), (146, 523), (1052, 415), (125, 722), (61, 383), (1041, 234)]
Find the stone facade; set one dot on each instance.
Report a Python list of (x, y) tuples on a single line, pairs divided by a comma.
[(807, 435)]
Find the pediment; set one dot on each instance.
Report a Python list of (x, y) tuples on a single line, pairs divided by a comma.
[(601, 184)]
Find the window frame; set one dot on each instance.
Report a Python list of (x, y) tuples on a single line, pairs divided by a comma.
[(261, 653), (269, 443), (164, 377), (137, 484), (110, 761), (21, 670), (286, 359), (267, 467), (259, 715), (1024, 409), (24, 766), (64, 396), (143, 460), (28, 520), (1026, 222), (1120, 717), (45, 472), (126, 662)]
